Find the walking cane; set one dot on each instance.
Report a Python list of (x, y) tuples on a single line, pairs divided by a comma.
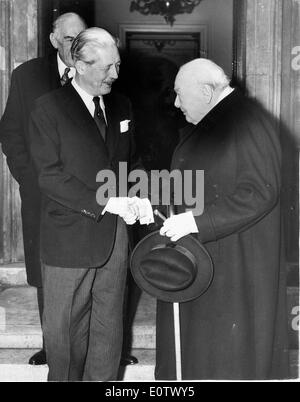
[(176, 314)]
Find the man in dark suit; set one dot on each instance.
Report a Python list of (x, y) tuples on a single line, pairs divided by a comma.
[(76, 132), (237, 330), (30, 81)]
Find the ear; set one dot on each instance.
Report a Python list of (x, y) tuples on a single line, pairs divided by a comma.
[(53, 40), (80, 67), (208, 93)]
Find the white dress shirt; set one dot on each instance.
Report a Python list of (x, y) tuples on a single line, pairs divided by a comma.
[(62, 66), (88, 99)]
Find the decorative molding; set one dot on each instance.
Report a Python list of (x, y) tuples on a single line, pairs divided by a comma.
[(201, 29)]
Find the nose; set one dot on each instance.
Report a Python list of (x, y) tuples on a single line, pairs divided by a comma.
[(114, 72), (177, 103)]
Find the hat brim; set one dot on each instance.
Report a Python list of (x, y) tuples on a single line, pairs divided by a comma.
[(204, 274)]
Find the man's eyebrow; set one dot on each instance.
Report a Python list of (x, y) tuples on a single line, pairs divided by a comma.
[(69, 37)]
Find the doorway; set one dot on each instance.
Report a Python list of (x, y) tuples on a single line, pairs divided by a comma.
[(49, 10)]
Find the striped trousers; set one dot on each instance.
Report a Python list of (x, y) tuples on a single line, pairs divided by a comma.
[(83, 317)]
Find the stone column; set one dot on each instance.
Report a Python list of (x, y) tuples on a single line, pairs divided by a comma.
[(267, 48), (263, 52), (290, 124), (18, 43)]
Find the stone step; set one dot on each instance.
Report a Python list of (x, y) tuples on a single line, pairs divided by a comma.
[(14, 367), (13, 275), (20, 326)]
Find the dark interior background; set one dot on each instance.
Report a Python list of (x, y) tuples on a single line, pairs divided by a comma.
[(148, 80)]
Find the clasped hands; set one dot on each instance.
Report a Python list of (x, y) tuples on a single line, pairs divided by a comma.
[(133, 209), (130, 209)]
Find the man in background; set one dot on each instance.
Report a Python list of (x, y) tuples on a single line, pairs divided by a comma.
[(28, 82)]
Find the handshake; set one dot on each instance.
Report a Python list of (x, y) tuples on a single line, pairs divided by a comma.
[(131, 209)]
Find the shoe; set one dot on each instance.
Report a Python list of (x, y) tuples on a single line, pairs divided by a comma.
[(128, 360), (38, 359)]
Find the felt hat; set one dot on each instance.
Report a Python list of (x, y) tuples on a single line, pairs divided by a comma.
[(172, 272)]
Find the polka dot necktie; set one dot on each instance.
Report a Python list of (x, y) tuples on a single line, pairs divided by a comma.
[(99, 117), (65, 78)]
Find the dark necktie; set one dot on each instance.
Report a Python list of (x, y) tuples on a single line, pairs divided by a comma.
[(65, 78), (99, 117)]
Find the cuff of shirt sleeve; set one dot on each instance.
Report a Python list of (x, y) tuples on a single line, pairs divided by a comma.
[(149, 218)]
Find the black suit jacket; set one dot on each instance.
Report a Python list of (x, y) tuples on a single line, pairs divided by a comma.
[(69, 151), (28, 82)]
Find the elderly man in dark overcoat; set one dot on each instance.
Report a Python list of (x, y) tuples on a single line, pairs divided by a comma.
[(237, 330)]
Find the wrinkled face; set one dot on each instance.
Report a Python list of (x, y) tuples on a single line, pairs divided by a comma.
[(63, 37), (98, 76), (193, 99)]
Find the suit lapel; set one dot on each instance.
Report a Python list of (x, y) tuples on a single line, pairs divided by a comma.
[(79, 113), (113, 123), (53, 72)]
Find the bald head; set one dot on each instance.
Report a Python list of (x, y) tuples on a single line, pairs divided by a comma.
[(65, 29), (198, 86), (203, 71), (68, 18), (97, 61)]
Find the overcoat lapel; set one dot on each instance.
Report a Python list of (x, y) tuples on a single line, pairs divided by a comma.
[(204, 133)]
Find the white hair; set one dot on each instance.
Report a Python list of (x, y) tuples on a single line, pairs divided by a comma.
[(205, 71), (88, 41)]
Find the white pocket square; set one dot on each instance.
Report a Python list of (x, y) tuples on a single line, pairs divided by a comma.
[(124, 126)]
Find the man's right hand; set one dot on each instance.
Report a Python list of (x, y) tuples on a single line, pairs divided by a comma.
[(119, 206), (130, 209)]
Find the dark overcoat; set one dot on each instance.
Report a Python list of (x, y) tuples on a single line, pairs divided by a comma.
[(69, 152), (238, 328), (28, 82)]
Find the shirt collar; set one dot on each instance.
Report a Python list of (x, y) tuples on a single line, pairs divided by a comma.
[(62, 66), (88, 99), (227, 91)]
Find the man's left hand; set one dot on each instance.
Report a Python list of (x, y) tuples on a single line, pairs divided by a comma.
[(179, 226)]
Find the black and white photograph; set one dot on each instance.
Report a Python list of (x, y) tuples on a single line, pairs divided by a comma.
[(149, 193)]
